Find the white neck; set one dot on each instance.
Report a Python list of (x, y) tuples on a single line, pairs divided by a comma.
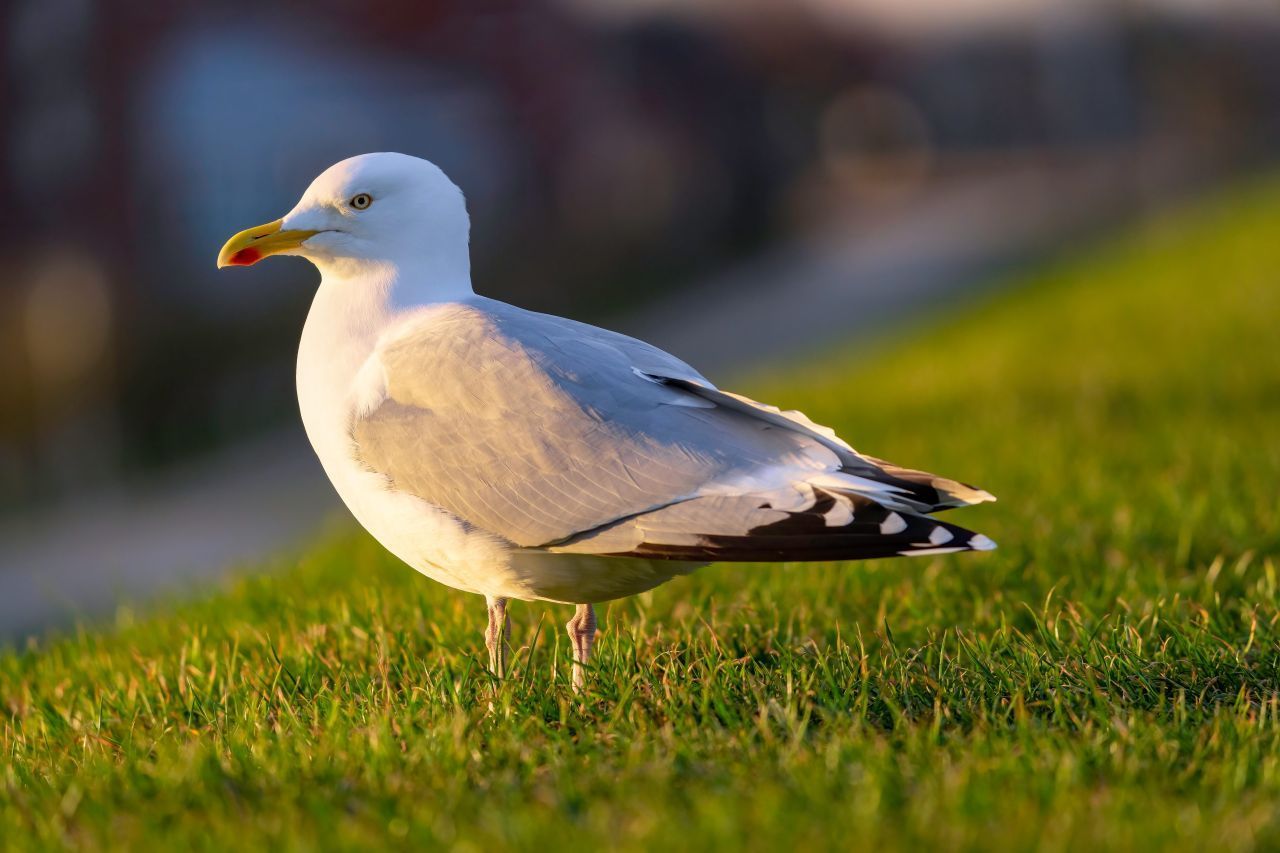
[(357, 301), (354, 291)]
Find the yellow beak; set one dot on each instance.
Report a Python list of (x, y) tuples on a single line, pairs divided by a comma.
[(253, 244)]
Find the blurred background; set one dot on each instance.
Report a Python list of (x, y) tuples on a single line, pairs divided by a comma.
[(735, 180)]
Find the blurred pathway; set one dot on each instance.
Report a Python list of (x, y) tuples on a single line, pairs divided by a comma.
[(861, 273), (130, 544), (135, 542)]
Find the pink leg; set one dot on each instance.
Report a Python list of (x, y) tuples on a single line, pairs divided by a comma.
[(497, 635), (582, 633)]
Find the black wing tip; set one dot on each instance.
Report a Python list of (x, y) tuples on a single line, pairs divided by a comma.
[(975, 542), (804, 538)]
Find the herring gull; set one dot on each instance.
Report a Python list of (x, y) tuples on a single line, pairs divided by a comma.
[(520, 455)]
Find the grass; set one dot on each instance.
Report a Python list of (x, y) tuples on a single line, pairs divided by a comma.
[(1110, 676)]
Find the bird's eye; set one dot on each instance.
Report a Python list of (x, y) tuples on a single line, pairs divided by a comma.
[(361, 200)]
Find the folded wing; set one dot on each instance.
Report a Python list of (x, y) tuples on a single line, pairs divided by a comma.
[(561, 436)]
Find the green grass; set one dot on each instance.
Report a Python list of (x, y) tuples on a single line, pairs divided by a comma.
[(1110, 676)]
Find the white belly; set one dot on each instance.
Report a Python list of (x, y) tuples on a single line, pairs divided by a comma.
[(447, 550), (426, 537)]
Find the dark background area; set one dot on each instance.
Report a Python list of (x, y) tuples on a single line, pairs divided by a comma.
[(613, 154)]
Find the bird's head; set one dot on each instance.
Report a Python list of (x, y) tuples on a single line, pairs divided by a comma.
[(374, 209)]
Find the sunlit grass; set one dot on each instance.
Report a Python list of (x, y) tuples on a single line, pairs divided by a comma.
[(1110, 676)]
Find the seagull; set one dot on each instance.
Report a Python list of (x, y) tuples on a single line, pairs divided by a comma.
[(519, 455)]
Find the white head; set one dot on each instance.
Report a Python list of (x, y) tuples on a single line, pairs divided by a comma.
[(384, 213)]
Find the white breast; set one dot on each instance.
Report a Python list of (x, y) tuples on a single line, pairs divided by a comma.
[(335, 377)]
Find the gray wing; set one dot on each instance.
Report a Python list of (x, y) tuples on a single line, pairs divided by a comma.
[(549, 432)]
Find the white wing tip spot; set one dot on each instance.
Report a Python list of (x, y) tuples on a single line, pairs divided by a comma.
[(893, 523), (840, 514), (982, 543), (940, 536)]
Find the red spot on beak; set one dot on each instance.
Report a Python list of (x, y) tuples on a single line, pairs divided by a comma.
[(245, 258)]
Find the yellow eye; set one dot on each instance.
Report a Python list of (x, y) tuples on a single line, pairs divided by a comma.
[(361, 200)]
